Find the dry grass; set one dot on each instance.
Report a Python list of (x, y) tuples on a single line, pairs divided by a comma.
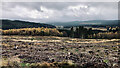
[(33, 31)]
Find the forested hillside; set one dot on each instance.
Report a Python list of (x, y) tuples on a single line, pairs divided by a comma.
[(16, 24)]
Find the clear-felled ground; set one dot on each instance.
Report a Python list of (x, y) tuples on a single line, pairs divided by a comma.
[(50, 49)]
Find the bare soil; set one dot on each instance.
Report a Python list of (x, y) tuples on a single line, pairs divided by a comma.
[(39, 49)]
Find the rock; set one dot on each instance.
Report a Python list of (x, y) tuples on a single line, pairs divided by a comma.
[(46, 49), (91, 52), (98, 50), (81, 55), (69, 53), (80, 46), (16, 54), (21, 56), (62, 48), (53, 60), (14, 48)]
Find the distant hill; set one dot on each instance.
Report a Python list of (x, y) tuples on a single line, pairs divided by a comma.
[(91, 22), (16, 24), (119, 23)]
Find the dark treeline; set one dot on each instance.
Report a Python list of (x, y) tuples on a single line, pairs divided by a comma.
[(110, 34), (81, 32)]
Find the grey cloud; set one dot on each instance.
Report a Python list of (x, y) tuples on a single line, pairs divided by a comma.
[(58, 11)]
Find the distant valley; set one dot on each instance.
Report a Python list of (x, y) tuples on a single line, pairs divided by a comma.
[(83, 23)]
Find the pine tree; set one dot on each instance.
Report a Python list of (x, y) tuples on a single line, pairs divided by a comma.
[(72, 32)]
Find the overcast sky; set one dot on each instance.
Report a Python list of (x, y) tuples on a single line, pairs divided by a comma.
[(59, 11)]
